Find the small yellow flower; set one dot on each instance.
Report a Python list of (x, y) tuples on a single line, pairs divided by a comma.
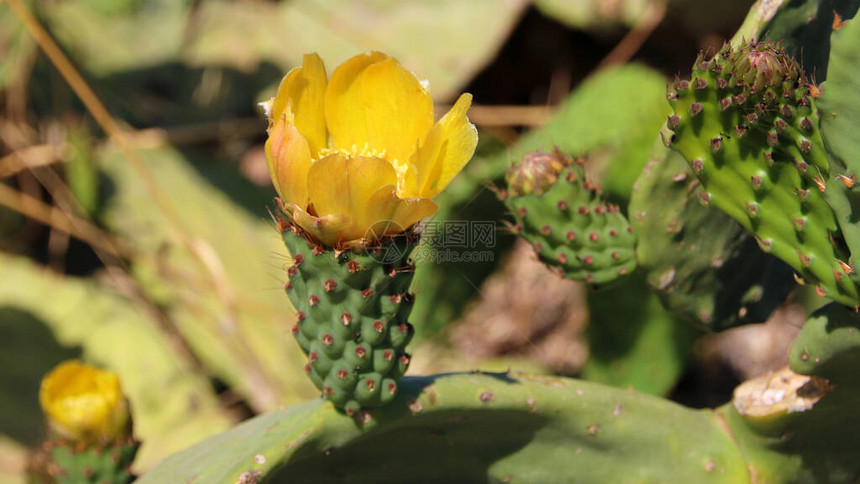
[(85, 404), (360, 155)]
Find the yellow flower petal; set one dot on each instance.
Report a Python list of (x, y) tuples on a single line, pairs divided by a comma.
[(300, 97), (289, 158), (424, 170), (374, 105), (394, 215), (446, 150), (330, 230), (341, 185)]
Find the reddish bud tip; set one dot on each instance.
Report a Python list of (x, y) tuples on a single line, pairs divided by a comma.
[(536, 172)]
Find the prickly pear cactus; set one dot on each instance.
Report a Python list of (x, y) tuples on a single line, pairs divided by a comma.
[(562, 214), (67, 463), (747, 125), (704, 266), (352, 311)]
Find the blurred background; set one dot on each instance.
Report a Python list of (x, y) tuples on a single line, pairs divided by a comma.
[(134, 198)]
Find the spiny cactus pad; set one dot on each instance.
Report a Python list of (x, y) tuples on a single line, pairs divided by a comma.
[(840, 118), (703, 265), (67, 463), (352, 311), (563, 215), (747, 125)]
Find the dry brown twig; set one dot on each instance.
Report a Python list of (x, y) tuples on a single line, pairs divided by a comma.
[(636, 37), (54, 217), (264, 396), (32, 157)]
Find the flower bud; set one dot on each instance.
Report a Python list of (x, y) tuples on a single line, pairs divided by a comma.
[(763, 66), (536, 173), (85, 404)]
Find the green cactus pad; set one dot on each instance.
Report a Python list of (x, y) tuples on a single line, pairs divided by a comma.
[(829, 345), (470, 428), (809, 433), (840, 119), (703, 265), (352, 311), (563, 215), (747, 125), (63, 462)]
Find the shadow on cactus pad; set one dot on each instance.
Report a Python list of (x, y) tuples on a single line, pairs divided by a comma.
[(28, 350), (472, 427)]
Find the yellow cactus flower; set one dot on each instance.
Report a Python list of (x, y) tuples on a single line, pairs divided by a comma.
[(360, 155), (84, 403)]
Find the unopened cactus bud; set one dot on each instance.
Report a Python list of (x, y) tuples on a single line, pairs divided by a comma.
[(536, 173), (85, 404), (761, 68), (90, 439)]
